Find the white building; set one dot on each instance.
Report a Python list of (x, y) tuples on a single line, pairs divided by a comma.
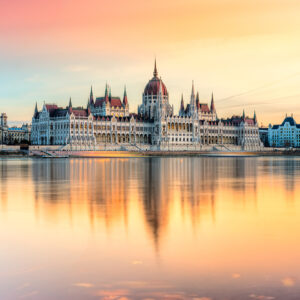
[(287, 134), (107, 121)]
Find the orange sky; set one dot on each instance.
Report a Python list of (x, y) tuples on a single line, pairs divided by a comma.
[(51, 50)]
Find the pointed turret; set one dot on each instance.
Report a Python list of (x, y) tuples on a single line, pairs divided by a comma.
[(193, 106), (254, 117), (197, 101), (125, 101), (181, 110), (70, 103), (91, 97), (193, 90), (106, 93), (182, 103), (212, 104), (109, 96), (35, 110), (244, 114), (155, 73)]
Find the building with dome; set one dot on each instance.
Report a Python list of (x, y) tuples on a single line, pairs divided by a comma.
[(286, 134), (106, 123)]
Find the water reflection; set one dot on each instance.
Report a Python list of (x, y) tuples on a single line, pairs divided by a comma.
[(150, 227), (105, 187)]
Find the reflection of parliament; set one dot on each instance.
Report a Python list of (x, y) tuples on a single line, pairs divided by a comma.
[(106, 123)]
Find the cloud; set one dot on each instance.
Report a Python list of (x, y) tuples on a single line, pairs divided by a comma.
[(261, 297), (288, 281), (83, 284), (113, 294)]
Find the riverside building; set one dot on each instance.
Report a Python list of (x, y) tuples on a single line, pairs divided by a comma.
[(13, 135), (286, 134), (106, 123)]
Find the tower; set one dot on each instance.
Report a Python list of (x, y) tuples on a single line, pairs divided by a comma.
[(3, 120)]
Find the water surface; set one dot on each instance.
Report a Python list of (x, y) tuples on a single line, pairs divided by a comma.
[(150, 228)]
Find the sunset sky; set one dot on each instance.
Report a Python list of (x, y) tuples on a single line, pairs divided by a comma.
[(247, 52)]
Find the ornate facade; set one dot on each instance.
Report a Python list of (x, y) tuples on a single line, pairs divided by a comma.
[(106, 122)]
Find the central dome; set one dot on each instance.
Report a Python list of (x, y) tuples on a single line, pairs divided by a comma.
[(153, 86)]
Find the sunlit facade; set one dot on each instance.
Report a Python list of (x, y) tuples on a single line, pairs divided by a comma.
[(106, 122)]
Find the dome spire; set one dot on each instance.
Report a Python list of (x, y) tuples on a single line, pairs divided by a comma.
[(155, 73)]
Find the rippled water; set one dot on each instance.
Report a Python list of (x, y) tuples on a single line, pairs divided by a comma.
[(150, 228)]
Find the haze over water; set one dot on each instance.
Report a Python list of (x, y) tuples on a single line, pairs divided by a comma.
[(150, 228)]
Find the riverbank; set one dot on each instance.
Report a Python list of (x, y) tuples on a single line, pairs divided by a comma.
[(129, 154)]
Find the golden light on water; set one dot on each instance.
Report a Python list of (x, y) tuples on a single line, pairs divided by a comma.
[(147, 227)]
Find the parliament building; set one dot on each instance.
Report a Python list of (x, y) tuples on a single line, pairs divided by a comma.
[(106, 123)]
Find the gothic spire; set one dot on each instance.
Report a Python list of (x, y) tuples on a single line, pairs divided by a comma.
[(254, 117), (182, 103), (155, 73), (212, 104), (106, 93), (109, 94), (193, 89), (35, 110), (125, 101), (70, 103), (197, 100), (91, 96), (243, 114)]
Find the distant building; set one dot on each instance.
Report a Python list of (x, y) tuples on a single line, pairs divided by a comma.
[(287, 134), (13, 135), (18, 135), (107, 121)]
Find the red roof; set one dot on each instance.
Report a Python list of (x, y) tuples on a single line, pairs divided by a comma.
[(204, 108), (153, 87), (249, 121), (51, 106), (80, 112), (114, 101)]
